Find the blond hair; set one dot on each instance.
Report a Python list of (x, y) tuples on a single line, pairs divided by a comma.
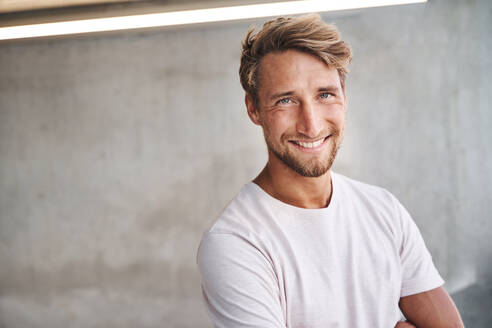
[(307, 33)]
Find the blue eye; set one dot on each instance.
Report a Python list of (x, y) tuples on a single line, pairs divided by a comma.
[(325, 95), (284, 101)]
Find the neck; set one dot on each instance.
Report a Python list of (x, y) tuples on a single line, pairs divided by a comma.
[(286, 185)]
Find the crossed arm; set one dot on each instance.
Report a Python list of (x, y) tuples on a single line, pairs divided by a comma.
[(431, 309)]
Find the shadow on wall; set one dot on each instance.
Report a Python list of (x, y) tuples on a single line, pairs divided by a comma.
[(475, 304)]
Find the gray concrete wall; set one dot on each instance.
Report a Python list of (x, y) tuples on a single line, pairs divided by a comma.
[(117, 151)]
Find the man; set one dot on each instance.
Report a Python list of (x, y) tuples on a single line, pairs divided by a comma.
[(302, 246)]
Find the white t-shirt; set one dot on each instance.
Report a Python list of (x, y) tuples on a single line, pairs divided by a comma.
[(265, 263)]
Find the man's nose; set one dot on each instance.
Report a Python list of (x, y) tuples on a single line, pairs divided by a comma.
[(309, 121)]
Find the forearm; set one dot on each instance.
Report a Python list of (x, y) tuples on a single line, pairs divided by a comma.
[(432, 309)]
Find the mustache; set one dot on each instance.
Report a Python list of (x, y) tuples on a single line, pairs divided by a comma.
[(322, 135)]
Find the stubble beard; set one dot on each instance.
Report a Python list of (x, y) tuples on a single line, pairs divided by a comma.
[(313, 167)]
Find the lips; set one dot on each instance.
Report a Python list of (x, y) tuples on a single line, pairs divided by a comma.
[(309, 144)]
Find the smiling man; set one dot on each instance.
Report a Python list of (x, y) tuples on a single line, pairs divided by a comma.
[(302, 246)]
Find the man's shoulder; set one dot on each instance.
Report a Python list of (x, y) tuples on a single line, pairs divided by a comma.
[(351, 187), (238, 226), (236, 216), (373, 200)]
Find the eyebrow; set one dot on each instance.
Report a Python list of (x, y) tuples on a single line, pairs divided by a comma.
[(281, 94), (330, 88)]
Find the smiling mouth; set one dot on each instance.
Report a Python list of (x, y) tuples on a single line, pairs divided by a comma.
[(310, 145)]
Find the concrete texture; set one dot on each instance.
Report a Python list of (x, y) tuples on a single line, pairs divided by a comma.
[(117, 151)]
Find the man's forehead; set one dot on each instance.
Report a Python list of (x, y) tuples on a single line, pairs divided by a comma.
[(291, 68), (292, 56)]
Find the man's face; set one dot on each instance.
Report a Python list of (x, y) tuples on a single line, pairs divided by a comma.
[(301, 109)]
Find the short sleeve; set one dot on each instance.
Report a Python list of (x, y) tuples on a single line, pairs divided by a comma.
[(418, 271), (239, 285)]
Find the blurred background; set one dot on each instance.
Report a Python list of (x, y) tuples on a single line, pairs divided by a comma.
[(117, 151)]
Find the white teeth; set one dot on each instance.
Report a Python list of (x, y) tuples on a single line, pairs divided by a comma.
[(310, 144)]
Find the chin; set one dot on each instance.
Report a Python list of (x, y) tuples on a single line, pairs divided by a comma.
[(312, 168)]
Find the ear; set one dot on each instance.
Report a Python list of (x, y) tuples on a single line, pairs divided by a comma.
[(253, 112)]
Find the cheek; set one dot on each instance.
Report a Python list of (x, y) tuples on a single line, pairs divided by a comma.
[(340, 125), (278, 124), (338, 119)]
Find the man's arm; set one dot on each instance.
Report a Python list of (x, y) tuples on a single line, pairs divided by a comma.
[(431, 309), (239, 284)]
